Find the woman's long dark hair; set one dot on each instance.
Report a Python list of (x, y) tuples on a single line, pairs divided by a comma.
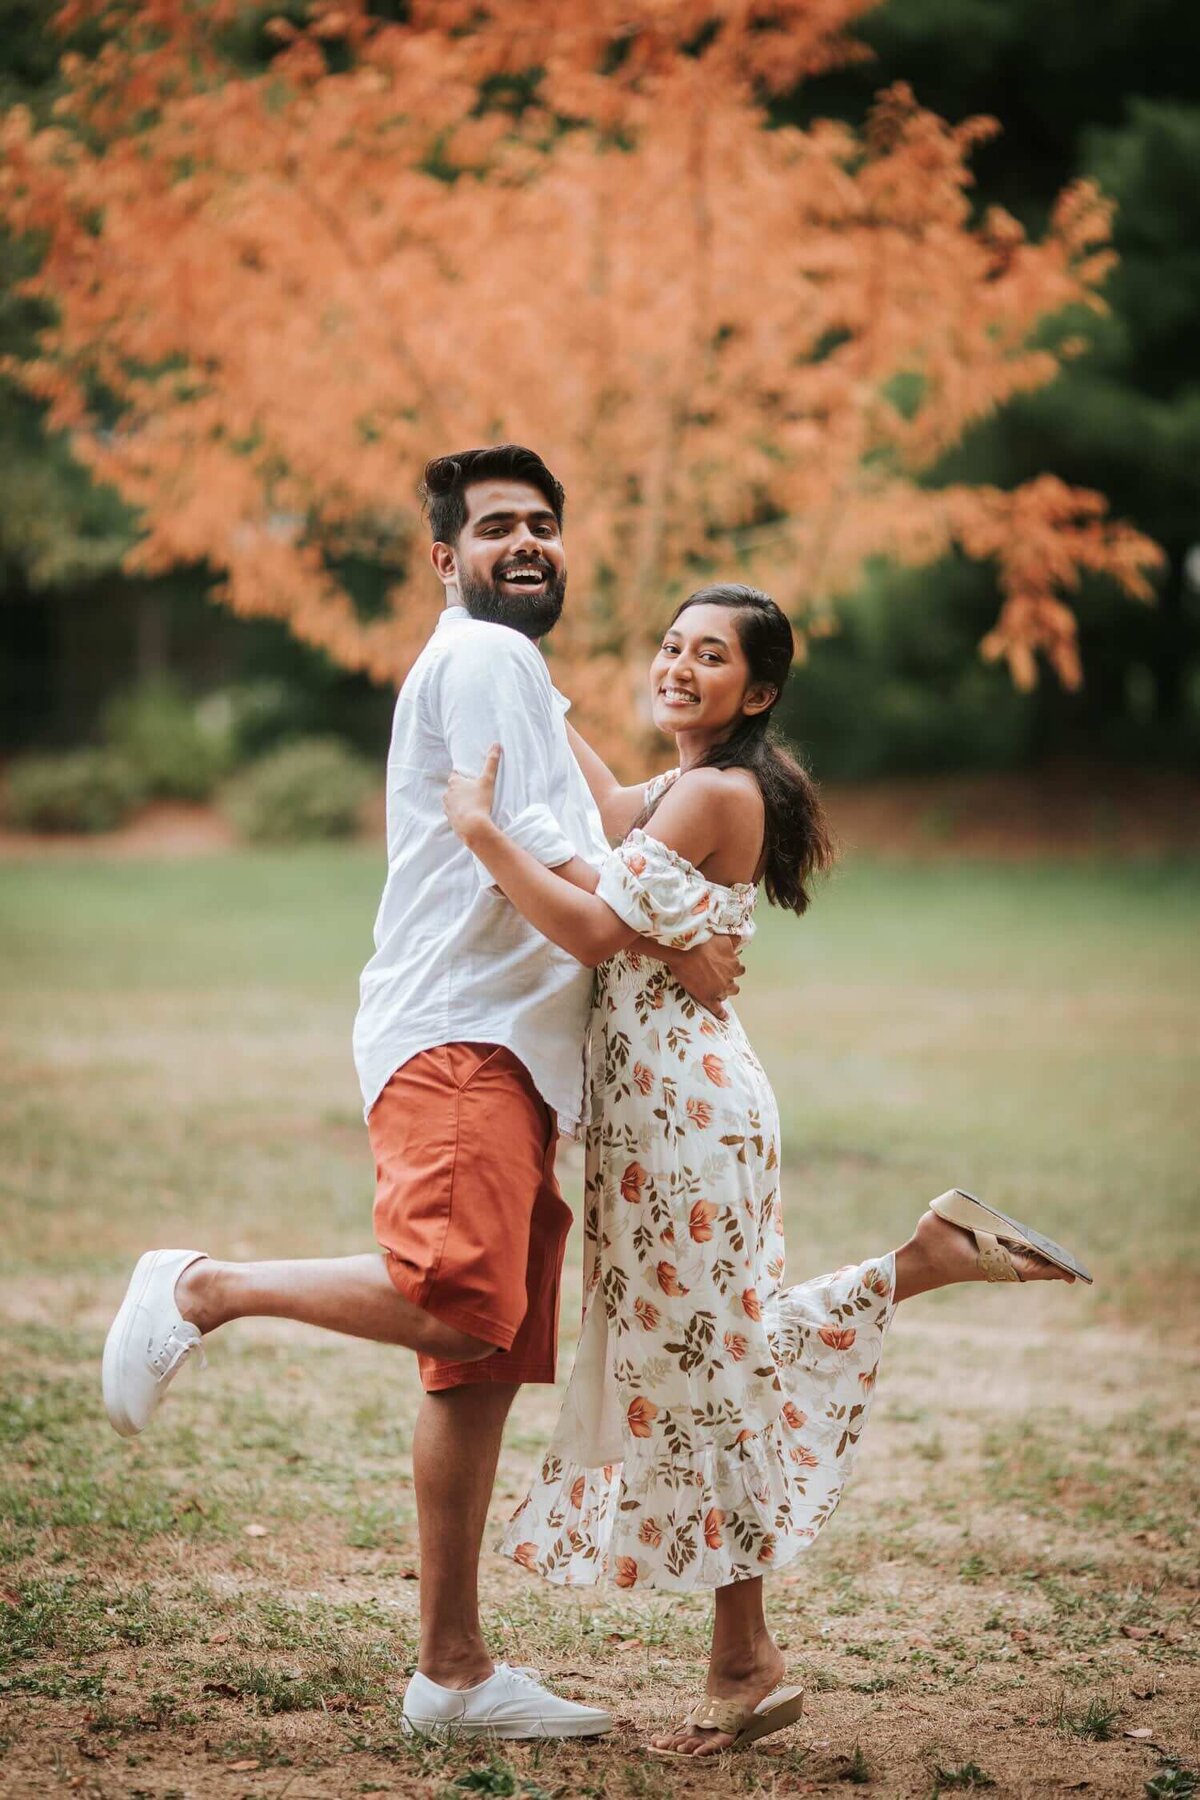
[(799, 842)]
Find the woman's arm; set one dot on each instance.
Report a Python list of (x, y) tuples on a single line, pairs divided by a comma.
[(620, 807), (562, 911), (577, 921), (708, 972)]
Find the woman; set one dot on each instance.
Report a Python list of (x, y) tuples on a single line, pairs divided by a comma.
[(713, 1413)]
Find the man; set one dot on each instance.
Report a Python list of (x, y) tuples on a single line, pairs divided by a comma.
[(469, 1046)]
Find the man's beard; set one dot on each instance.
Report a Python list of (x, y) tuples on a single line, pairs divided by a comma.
[(533, 615)]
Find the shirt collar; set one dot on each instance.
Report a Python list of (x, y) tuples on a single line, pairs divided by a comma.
[(450, 615)]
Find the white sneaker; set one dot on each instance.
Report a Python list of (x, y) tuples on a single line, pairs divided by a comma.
[(149, 1341), (511, 1703)]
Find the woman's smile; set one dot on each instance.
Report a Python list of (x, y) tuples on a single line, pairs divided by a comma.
[(699, 678)]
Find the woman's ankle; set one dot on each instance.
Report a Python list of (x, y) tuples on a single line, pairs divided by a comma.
[(916, 1265), (745, 1658)]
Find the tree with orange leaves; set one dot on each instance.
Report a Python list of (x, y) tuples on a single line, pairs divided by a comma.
[(742, 348)]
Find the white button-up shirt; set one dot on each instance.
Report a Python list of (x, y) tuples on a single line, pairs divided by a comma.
[(454, 961)]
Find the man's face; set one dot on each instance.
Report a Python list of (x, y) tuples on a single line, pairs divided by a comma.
[(509, 563)]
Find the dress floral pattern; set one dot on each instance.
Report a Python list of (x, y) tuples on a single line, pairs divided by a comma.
[(713, 1414)]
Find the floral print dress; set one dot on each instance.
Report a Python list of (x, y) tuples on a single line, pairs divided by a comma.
[(713, 1413)]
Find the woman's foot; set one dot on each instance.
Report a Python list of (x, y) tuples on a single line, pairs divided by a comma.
[(939, 1254), (748, 1680)]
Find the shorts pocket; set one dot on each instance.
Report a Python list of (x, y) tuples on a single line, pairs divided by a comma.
[(484, 1056)]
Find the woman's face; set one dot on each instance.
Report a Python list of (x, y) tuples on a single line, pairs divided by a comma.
[(700, 680)]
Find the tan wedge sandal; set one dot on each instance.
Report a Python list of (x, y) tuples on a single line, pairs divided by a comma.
[(992, 1230), (746, 1723)]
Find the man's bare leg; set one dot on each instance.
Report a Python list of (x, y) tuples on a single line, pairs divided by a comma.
[(350, 1294), (456, 1447)]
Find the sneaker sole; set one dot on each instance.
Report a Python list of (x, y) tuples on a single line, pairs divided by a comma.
[(447, 1730), (115, 1344)]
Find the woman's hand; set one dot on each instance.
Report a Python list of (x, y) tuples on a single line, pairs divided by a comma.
[(468, 798)]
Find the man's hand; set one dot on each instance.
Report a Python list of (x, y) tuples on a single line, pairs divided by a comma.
[(709, 973)]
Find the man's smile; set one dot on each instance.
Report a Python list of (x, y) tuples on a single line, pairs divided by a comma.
[(526, 575)]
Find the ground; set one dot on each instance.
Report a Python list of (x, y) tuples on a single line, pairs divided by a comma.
[(1007, 1597)]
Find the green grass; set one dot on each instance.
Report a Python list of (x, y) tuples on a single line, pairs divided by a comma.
[(1017, 1546)]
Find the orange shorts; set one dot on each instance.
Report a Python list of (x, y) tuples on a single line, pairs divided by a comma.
[(467, 1208)]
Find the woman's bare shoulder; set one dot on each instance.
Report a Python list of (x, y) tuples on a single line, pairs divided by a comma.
[(731, 791), (724, 807), (716, 783)]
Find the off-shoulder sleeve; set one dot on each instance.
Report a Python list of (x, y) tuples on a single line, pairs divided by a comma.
[(657, 892), (657, 785)]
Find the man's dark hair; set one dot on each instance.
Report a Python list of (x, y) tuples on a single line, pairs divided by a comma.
[(444, 487)]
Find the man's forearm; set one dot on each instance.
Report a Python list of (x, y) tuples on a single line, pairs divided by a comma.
[(676, 960)]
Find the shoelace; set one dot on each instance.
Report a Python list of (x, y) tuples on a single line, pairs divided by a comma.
[(172, 1351), (527, 1676)]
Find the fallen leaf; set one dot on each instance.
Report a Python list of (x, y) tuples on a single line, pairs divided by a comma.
[(10, 1597), (1140, 1731), (409, 1575), (219, 1637), (1135, 1631), (255, 1530), (238, 1768)]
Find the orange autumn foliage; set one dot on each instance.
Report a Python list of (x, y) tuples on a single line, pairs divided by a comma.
[(740, 347)]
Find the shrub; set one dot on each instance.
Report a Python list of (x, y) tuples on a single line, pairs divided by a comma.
[(164, 737), (257, 716), (84, 790), (315, 788)]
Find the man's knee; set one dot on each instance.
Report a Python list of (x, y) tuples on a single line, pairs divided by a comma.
[(449, 1345)]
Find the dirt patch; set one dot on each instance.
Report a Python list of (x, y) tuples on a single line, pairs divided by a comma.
[(166, 829), (1066, 811)]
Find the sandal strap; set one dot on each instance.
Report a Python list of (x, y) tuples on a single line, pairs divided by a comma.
[(719, 1715), (993, 1258)]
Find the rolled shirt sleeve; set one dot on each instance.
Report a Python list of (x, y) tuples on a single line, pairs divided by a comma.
[(497, 691)]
